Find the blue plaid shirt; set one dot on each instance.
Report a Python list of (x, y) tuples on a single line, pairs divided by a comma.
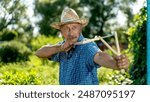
[(77, 66)]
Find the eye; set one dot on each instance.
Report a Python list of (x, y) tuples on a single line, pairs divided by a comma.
[(65, 29), (74, 27)]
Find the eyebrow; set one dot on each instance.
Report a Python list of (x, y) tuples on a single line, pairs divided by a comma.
[(71, 23)]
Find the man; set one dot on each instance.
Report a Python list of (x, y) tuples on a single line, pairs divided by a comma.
[(78, 63)]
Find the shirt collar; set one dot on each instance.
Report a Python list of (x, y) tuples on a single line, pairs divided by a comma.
[(80, 38), (70, 52)]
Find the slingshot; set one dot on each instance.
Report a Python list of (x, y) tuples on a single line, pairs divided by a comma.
[(102, 39), (107, 45)]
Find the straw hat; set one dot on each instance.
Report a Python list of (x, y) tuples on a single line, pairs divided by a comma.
[(69, 16)]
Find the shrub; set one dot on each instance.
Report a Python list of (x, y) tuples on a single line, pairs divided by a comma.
[(19, 78), (25, 73), (7, 35), (113, 77), (137, 46), (13, 51), (41, 40)]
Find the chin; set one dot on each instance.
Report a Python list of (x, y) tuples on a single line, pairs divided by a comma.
[(74, 40)]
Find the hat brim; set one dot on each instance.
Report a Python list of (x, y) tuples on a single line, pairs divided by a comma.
[(82, 21)]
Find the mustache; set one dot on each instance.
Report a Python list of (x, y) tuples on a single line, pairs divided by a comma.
[(71, 37)]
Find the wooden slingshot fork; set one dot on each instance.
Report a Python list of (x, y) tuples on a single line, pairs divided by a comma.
[(107, 45), (102, 39)]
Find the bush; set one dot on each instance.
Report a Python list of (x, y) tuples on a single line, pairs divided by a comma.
[(19, 78), (138, 48), (113, 77), (41, 40), (29, 73), (8, 35), (13, 51)]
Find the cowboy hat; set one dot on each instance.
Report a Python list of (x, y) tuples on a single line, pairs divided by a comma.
[(69, 16)]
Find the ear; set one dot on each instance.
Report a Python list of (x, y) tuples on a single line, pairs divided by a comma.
[(59, 34)]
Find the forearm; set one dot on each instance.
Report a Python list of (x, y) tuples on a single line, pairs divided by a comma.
[(105, 60), (112, 64), (48, 50)]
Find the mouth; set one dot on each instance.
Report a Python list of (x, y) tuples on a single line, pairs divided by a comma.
[(72, 37)]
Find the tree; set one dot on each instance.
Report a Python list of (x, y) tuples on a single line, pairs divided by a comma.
[(50, 12), (100, 12), (15, 31), (103, 13), (13, 15)]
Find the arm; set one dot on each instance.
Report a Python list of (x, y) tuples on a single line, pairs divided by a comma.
[(105, 60), (48, 50)]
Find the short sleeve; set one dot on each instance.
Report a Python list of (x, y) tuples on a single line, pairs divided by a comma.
[(91, 51), (55, 57)]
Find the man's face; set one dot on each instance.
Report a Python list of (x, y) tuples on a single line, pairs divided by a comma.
[(71, 31)]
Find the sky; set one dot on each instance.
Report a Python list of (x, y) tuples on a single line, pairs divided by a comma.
[(135, 8), (121, 18)]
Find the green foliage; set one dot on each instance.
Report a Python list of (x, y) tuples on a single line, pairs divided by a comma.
[(108, 76), (113, 77), (14, 16), (49, 11), (19, 78), (119, 78), (100, 13), (41, 40), (7, 35), (13, 51), (31, 72), (28, 69), (137, 46)]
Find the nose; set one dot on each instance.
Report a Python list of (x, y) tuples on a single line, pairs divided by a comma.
[(70, 34)]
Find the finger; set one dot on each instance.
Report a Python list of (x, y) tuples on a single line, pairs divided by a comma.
[(125, 59), (123, 56), (123, 63), (122, 60), (125, 67), (119, 61), (119, 65), (126, 62), (67, 45), (118, 57)]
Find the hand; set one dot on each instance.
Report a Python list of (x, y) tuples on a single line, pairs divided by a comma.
[(122, 62), (67, 45)]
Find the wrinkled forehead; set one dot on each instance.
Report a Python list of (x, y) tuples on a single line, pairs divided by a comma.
[(70, 25)]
